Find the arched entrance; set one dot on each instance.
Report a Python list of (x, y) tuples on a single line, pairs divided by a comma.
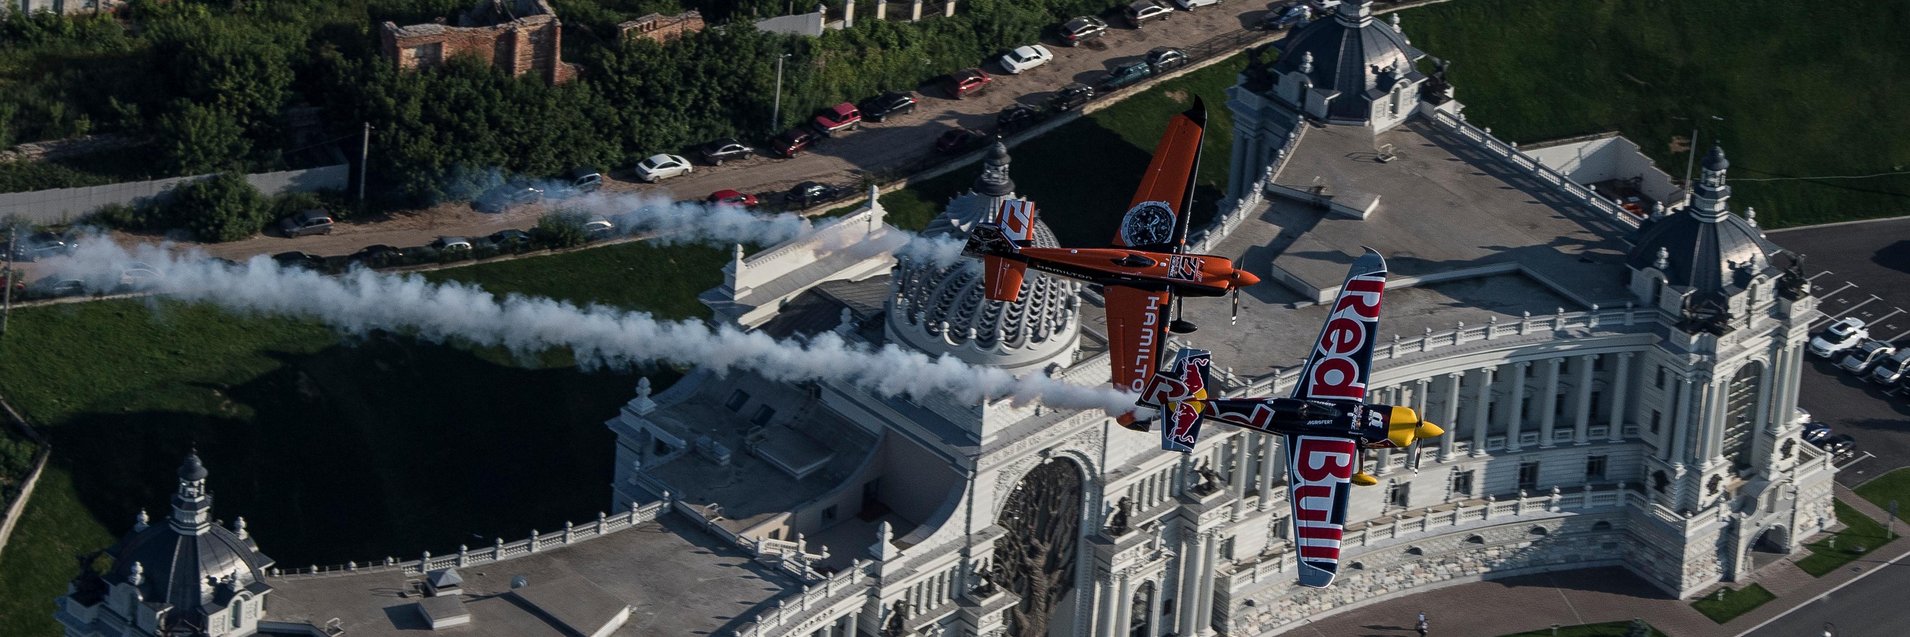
[(1036, 557)]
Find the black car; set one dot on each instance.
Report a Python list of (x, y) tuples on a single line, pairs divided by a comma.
[(1165, 59), (723, 150), (507, 195), (299, 261), (1840, 445), (1017, 117), (504, 239), (810, 193), (1082, 29), (959, 140), (1816, 433), (375, 255), (880, 107), (1071, 97)]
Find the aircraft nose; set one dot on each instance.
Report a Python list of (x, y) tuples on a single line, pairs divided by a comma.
[(1244, 278), (1428, 430)]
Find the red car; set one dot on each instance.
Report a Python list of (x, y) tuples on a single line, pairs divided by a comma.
[(733, 198), (842, 116), (792, 141), (966, 82)]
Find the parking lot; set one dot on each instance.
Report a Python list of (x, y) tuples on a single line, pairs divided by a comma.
[(1858, 270)]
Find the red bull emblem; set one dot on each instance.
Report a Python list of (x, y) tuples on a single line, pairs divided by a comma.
[(1184, 425)]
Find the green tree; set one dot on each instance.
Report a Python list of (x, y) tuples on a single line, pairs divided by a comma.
[(561, 229), (196, 138), (223, 207)]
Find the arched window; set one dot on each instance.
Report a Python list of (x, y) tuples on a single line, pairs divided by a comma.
[(1537, 530), (1740, 404), (1476, 539)]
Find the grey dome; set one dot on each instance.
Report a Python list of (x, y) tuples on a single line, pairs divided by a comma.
[(1352, 55), (192, 470), (1715, 258), (188, 564), (1714, 160)]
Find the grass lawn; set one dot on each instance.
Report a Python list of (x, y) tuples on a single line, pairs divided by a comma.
[(1800, 97), (1734, 603), (1894, 485), (1860, 535), (1075, 196), (1608, 629), (333, 447)]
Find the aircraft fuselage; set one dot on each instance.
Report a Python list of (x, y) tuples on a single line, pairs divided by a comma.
[(1186, 274), (1365, 422)]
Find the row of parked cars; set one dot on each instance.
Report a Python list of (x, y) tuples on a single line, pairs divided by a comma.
[(1848, 342), (1817, 433)]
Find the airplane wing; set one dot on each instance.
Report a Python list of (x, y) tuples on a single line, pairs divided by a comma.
[(1157, 217), (1320, 471), (1181, 394), (1342, 357), (1137, 330)]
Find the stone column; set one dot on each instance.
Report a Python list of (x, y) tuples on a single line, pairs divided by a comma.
[(1711, 405), (1241, 474), (1236, 185), (1108, 608), (1620, 383), (1124, 604), (1383, 459), (846, 625), (1451, 412), (1680, 419), (1582, 401), (1273, 461), (1775, 374), (1549, 404), (1516, 414), (1188, 594), (1154, 607), (1209, 554), (1481, 418)]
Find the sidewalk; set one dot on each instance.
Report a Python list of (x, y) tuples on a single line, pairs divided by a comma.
[(1590, 596)]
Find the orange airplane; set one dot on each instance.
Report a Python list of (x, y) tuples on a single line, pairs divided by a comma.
[(1143, 275)]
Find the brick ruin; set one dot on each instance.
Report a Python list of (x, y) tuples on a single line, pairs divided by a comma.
[(523, 36), (661, 28)]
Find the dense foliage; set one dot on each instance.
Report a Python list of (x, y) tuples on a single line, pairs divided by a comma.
[(211, 81), (222, 207)]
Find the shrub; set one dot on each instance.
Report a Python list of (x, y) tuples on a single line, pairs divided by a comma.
[(223, 207), (561, 229)]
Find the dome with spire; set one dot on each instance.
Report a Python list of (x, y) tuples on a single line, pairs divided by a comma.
[(1353, 59), (190, 566), (940, 308), (1702, 247)]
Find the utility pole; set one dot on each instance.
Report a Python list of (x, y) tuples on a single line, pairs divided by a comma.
[(364, 153), (6, 307), (776, 116), (1691, 158)]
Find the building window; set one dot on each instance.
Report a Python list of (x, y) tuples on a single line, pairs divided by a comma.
[(1558, 406), (1399, 495), (829, 514), (1598, 398), (1462, 483), (1226, 549), (1655, 417), (736, 401), (1529, 476), (1595, 468), (1660, 481), (1598, 364), (1660, 381), (763, 414)]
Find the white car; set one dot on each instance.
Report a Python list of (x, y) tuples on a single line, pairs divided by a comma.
[(1840, 336), (659, 167), (1024, 58), (599, 228), (452, 244)]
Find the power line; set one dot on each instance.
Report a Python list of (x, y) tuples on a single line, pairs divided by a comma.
[(1897, 172)]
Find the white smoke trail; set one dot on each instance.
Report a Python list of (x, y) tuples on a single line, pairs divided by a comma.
[(668, 222), (363, 300)]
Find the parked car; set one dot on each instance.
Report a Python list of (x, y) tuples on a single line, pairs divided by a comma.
[(52, 287), (1164, 59), (838, 118), (1083, 29), (1124, 75), (732, 198), (43, 244), (599, 229), (1017, 117), (1070, 97), (1841, 335), (662, 166), (966, 82), (512, 193), (138, 276), (810, 193), (1141, 12), (959, 140), (725, 149), (1891, 369), (1815, 433), (1860, 359), (375, 256), (793, 141), (1025, 58), (578, 182), (1292, 16), (451, 244), (304, 222), (1190, 4), (881, 107), (507, 239), (299, 261), (1840, 445)]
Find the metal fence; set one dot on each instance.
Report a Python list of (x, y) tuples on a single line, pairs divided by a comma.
[(61, 205)]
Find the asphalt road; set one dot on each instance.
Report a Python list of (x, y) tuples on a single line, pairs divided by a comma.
[(1858, 270), (1869, 607)]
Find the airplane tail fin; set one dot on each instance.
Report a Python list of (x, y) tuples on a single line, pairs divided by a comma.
[(1181, 393), (1001, 278)]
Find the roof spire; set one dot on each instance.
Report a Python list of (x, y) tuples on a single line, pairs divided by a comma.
[(191, 504), (994, 181)]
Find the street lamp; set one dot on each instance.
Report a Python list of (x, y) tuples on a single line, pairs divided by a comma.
[(776, 116)]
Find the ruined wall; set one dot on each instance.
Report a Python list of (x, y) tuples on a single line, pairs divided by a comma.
[(657, 27), (528, 44)]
